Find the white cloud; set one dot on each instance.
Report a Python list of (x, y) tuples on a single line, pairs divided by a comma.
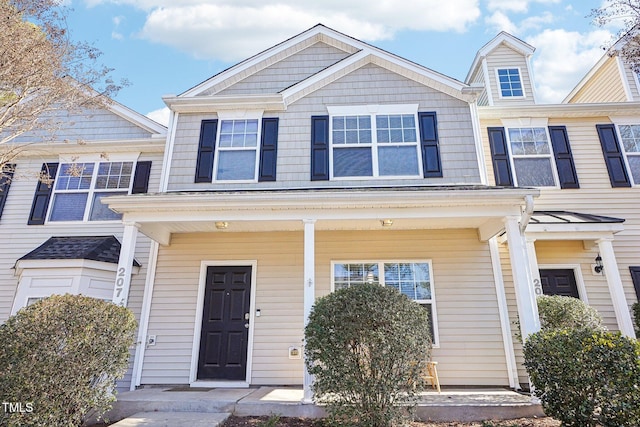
[(234, 29), (501, 22), (520, 6), (562, 58), (161, 116)]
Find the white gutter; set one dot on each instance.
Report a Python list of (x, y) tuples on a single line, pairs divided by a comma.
[(528, 212)]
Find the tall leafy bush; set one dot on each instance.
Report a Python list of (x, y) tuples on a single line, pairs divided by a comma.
[(60, 358), (366, 346), (566, 312)]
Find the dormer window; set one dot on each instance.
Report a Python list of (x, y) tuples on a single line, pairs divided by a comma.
[(510, 83)]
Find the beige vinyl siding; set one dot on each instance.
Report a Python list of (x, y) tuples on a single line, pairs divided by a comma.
[(471, 350), (505, 57), (632, 81), (370, 84), (604, 86), (478, 78), (289, 71)]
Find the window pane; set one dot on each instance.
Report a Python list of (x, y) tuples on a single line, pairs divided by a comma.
[(351, 129), (238, 133), (346, 275), (634, 164), (236, 165), (100, 212), (74, 176), (510, 84), (534, 172), (352, 162), (114, 175), (396, 128), (398, 161), (68, 207), (630, 138)]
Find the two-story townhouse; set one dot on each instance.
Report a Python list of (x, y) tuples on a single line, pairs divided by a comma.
[(584, 236), (318, 164), (57, 237)]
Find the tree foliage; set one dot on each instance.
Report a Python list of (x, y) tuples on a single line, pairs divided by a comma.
[(60, 358), (624, 14), (558, 311), (367, 346), (44, 73)]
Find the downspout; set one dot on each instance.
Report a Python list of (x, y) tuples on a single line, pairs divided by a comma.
[(528, 212)]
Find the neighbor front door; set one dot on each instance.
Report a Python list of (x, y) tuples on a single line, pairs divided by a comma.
[(559, 282), (225, 324)]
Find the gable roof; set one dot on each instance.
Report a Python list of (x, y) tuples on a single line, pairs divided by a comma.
[(502, 38), (361, 53)]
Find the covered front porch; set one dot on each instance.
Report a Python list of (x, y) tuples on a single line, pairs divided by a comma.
[(291, 240)]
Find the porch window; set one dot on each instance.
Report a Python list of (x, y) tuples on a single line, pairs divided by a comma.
[(412, 279), (79, 187), (630, 135), (531, 156), (378, 144), (237, 150)]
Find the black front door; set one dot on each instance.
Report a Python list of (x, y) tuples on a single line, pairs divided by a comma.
[(225, 324), (559, 282)]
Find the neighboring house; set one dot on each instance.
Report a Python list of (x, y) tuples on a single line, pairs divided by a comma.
[(324, 162), (584, 239), (57, 237)]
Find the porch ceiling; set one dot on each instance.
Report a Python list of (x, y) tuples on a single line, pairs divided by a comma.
[(160, 215)]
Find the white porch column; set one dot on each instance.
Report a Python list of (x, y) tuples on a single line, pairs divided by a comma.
[(503, 311), (533, 265), (522, 278), (614, 282), (125, 264), (309, 292)]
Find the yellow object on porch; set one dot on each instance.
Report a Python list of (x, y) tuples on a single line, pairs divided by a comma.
[(431, 375)]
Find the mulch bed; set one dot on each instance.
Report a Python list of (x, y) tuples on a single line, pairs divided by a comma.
[(275, 421)]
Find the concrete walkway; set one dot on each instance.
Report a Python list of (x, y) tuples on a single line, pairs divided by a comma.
[(184, 406)]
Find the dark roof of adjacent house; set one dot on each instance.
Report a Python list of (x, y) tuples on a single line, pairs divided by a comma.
[(95, 248)]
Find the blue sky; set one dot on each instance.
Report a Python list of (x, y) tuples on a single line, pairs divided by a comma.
[(168, 46)]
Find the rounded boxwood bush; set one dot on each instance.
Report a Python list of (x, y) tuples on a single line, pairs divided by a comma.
[(566, 312), (60, 358), (585, 377), (366, 346)]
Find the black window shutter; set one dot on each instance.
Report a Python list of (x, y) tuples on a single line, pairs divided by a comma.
[(141, 177), (319, 148), (500, 157), (432, 166), (635, 277), (43, 194), (613, 156), (268, 150), (5, 183), (206, 150), (564, 159)]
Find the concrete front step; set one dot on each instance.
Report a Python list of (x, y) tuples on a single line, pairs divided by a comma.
[(173, 419), (450, 405)]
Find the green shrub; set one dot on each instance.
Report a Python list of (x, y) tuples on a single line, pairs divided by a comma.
[(636, 317), (366, 346), (586, 377), (60, 357), (566, 312)]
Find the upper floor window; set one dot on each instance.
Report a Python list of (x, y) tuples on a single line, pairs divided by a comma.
[(237, 150), (510, 82), (630, 135), (412, 279), (532, 157), (79, 187), (375, 144)]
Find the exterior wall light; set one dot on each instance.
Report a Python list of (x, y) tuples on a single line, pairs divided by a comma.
[(221, 225), (599, 267), (386, 222)]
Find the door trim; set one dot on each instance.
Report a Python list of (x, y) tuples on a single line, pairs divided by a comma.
[(193, 381), (577, 273)]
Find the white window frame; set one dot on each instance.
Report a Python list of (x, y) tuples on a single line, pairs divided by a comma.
[(625, 154), (550, 156), (381, 263), (235, 116), (133, 159), (524, 93), (372, 111)]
